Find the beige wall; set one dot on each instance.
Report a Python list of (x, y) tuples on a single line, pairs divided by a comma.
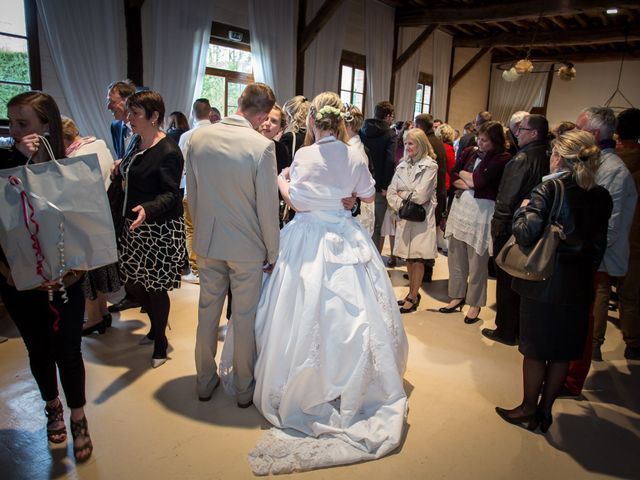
[(470, 94), (593, 85)]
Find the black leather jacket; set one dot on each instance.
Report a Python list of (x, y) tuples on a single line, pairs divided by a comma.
[(584, 215), (520, 176)]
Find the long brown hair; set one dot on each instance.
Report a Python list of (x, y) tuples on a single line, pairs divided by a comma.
[(48, 113)]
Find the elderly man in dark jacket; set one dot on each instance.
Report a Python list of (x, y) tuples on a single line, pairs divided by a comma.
[(520, 176), (380, 140)]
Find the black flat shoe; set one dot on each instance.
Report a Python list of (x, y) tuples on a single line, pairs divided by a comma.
[(469, 320), (413, 307), (100, 327), (452, 309)]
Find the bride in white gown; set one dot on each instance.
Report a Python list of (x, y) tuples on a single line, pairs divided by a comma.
[(331, 346)]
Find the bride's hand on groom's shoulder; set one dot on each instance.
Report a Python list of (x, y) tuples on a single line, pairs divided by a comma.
[(267, 267)]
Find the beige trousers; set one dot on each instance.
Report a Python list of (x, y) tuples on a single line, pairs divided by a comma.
[(245, 280), (468, 273)]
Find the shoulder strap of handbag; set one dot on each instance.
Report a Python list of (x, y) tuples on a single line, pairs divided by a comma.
[(558, 199)]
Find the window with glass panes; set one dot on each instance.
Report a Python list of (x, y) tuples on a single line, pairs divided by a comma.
[(227, 72), (423, 94), (19, 58), (352, 79)]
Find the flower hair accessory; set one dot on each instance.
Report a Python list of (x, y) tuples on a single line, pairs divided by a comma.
[(328, 111)]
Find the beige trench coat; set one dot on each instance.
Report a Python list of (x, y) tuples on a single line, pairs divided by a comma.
[(415, 239)]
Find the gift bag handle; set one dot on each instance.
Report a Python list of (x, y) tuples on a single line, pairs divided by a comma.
[(47, 147)]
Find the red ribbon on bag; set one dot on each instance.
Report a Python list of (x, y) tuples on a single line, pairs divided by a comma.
[(33, 227)]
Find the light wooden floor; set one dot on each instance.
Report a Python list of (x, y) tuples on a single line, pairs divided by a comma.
[(148, 424)]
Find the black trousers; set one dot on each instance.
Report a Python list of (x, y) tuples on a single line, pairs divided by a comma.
[(507, 300), (51, 352)]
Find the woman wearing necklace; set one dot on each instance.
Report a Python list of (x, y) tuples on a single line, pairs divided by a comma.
[(331, 345), (152, 242)]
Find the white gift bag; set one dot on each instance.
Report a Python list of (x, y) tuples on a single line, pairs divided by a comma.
[(55, 217)]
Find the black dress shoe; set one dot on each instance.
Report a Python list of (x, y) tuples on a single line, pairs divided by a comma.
[(470, 321), (123, 304), (245, 405), (531, 420), (107, 319), (413, 307), (492, 334)]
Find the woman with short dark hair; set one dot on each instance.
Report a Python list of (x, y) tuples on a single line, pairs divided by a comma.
[(152, 242), (469, 222)]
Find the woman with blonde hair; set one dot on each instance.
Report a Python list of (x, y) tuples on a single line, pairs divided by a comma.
[(554, 313), (295, 110), (415, 180), (331, 347)]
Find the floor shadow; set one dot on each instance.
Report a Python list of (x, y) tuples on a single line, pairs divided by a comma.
[(408, 387), (119, 348), (615, 387), (581, 437), (179, 396), (27, 455)]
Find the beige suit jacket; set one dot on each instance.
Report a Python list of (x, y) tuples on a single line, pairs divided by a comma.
[(232, 192)]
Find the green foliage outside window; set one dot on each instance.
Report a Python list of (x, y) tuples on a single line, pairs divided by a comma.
[(14, 67)]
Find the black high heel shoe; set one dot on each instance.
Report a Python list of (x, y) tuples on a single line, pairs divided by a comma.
[(545, 420), (452, 309), (107, 319), (100, 327), (413, 307), (469, 320), (401, 302)]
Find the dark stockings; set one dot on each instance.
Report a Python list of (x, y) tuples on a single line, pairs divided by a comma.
[(541, 379), (157, 305)]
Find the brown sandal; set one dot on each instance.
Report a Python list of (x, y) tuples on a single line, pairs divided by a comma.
[(81, 429), (54, 415)]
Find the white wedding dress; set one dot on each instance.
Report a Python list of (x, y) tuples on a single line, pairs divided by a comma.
[(331, 346)]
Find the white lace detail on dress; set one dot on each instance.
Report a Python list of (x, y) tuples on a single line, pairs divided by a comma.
[(280, 452)]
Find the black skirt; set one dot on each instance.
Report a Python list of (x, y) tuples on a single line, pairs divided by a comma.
[(552, 332)]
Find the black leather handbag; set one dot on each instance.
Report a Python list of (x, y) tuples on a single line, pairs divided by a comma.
[(412, 211)]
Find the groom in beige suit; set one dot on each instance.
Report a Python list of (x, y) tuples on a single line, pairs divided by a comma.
[(233, 197)]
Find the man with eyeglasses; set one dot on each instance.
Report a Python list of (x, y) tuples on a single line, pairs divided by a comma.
[(521, 175)]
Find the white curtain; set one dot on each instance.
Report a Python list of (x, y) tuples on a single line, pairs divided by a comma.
[(505, 98), (322, 58), (86, 38), (175, 42), (273, 44), (442, 50), (379, 21), (407, 76)]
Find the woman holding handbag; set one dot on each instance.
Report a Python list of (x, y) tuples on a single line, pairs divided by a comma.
[(413, 189), (469, 221), (554, 312), (50, 327)]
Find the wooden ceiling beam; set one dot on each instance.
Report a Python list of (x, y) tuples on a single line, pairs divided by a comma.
[(467, 66), (413, 48), (323, 15), (559, 22), (593, 36), (500, 12)]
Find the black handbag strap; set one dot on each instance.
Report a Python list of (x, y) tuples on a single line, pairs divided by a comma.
[(558, 199)]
